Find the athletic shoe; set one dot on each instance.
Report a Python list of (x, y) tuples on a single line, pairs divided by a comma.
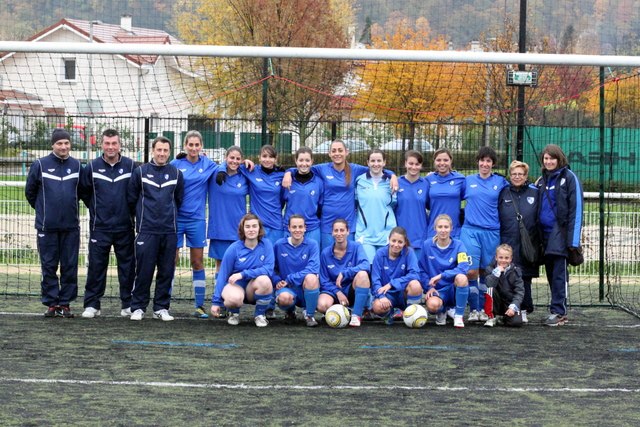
[(223, 313), (90, 313), (490, 323), (270, 314), (368, 315), (556, 320), (474, 316), (233, 319), (137, 315), (483, 316), (355, 321), (397, 314), (290, 317), (163, 315), (388, 319), (311, 321), (523, 313), (261, 321), (200, 313), (458, 322), (51, 311), (451, 313), (441, 319), (65, 311), (125, 312)]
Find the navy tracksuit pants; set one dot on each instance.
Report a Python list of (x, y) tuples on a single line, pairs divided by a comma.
[(59, 248), (100, 243), (153, 251), (558, 278)]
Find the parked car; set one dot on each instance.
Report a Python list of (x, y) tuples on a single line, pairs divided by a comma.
[(353, 145), (397, 145), (43, 142)]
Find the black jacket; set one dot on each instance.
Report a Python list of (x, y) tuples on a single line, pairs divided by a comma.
[(509, 284)]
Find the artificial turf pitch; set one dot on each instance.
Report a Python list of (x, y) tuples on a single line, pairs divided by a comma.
[(111, 371)]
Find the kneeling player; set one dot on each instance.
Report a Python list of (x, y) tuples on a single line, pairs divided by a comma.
[(505, 285), (443, 268), (395, 276), (297, 264), (344, 274)]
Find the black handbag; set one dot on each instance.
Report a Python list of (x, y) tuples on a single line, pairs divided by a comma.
[(575, 256), (528, 250)]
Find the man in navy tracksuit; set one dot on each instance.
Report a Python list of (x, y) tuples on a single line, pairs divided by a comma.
[(104, 186), (52, 190), (155, 194)]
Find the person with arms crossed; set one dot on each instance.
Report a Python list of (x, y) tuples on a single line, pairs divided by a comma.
[(446, 192), (196, 170), (395, 277), (104, 186), (52, 189), (245, 274), (444, 265), (155, 194), (344, 274), (297, 264)]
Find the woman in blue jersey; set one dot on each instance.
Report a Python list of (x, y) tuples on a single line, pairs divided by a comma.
[(228, 190), (481, 230), (338, 178), (412, 198), (304, 196), (374, 203), (297, 265), (395, 277), (560, 217), (196, 170), (265, 192), (344, 274), (446, 191), (443, 269), (245, 274)]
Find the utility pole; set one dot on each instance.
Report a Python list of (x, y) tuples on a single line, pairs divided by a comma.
[(522, 48)]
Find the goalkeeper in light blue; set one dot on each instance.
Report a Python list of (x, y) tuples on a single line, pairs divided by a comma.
[(297, 265), (395, 276), (443, 270)]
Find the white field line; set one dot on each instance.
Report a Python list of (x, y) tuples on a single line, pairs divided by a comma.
[(152, 384)]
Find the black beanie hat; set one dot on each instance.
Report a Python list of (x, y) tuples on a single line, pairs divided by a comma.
[(59, 134)]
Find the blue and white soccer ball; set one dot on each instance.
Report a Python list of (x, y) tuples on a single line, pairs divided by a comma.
[(415, 316), (337, 316)]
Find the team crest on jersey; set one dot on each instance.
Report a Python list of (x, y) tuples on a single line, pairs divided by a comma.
[(313, 192), (120, 171), (419, 191), (68, 171), (166, 176), (277, 183), (402, 267), (243, 259), (349, 264), (239, 185), (495, 187), (304, 256), (562, 181), (200, 170), (261, 257), (452, 182), (451, 260), (530, 200)]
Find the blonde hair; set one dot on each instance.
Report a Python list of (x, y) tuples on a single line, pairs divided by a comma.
[(505, 247), (519, 164)]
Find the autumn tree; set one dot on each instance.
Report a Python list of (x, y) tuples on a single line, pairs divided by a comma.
[(299, 91)]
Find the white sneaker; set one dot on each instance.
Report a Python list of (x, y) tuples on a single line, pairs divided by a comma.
[(441, 319), (451, 313), (233, 319), (490, 323), (458, 322), (162, 315), (261, 321), (125, 312), (474, 316), (90, 313), (355, 321), (137, 315), (523, 313), (483, 316)]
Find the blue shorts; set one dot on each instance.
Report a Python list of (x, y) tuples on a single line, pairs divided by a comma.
[(447, 294), (196, 232), (480, 244), (370, 251), (397, 299), (348, 289), (217, 248), (297, 292)]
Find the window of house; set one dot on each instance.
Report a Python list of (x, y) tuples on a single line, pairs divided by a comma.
[(68, 69)]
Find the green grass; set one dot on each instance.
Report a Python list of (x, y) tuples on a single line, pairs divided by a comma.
[(476, 375)]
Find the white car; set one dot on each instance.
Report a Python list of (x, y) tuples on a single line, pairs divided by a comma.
[(396, 145)]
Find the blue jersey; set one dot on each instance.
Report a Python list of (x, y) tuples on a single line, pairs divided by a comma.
[(353, 261), (411, 209), (265, 195), (482, 201), (304, 198), (445, 196), (293, 263), (196, 181), (449, 262), (251, 263), (396, 272), (227, 205), (338, 198), (375, 203)]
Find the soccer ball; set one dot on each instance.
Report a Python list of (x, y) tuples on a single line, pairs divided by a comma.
[(415, 316), (337, 316)]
